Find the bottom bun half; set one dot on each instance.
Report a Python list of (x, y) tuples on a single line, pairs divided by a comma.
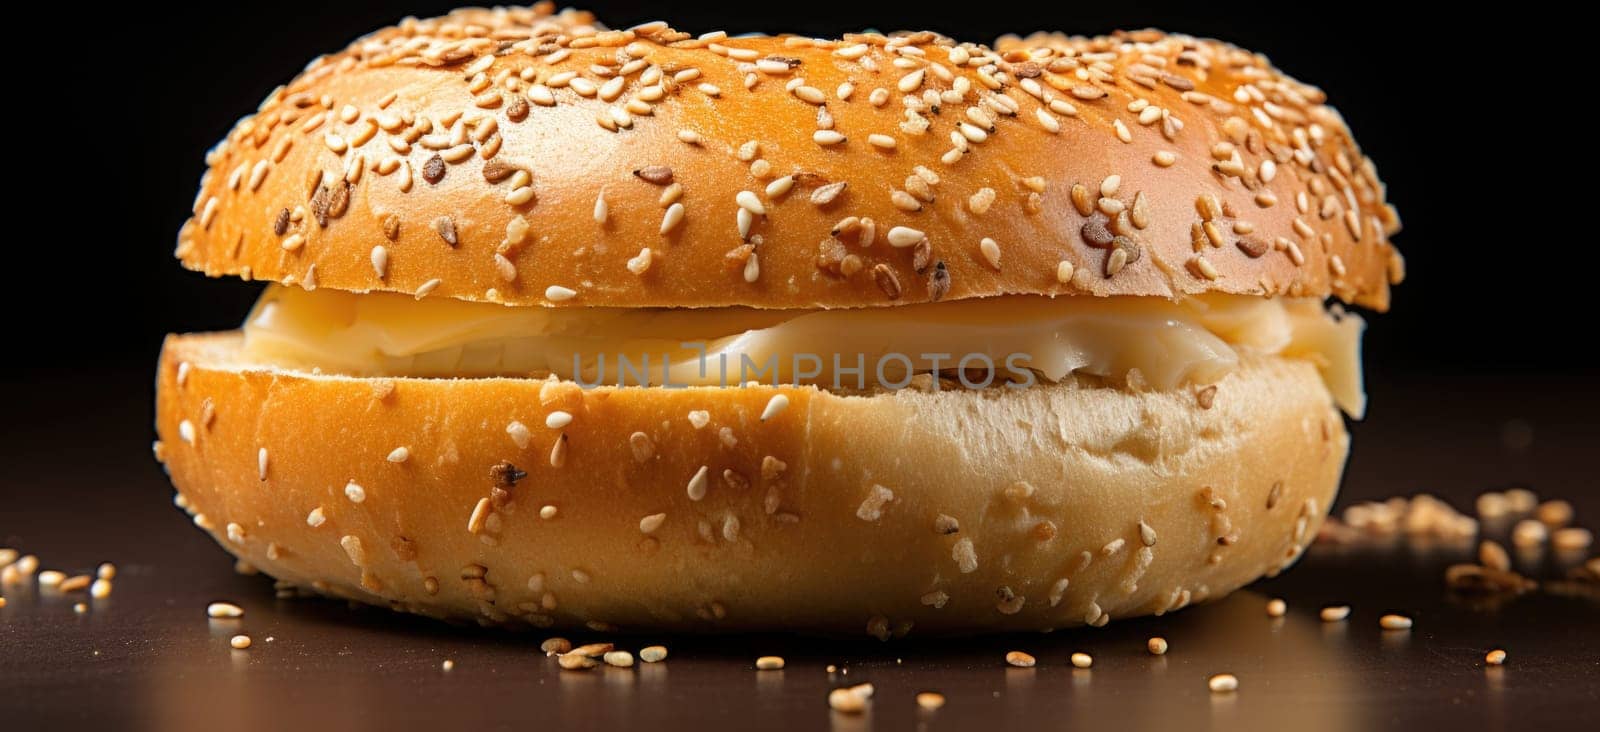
[(531, 502)]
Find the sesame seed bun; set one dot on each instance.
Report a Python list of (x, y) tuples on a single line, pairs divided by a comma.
[(956, 511), (537, 159)]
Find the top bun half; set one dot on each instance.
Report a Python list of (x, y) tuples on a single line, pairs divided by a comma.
[(532, 158)]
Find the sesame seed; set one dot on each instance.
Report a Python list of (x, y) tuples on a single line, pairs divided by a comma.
[(1020, 659), (653, 654), (930, 700), (827, 137), (1064, 272), (775, 406), (1204, 268), (1335, 613), (672, 217), (1529, 534), (881, 141), (101, 589), (826, 194), (399, 454), (557, 293), (698, 483), (1157, 646), (186, 431), (601, 212), (224, 610), (355, 492), (690, 136), (1571, 539), (649, 524), (315, 518), (847, 701), (51, 578), (640, 263), (380, 261), (749, 202), (779, 187), (575, 661), (239, 642), (1394, 622), (1495, 657), (558, 419), (105, 571), (1223, 683), (620, 659), (769, 663), (991, 252), (1164, 158), (1276, 608), (479, 516), (852, 52), (965, 556), (901, 237)]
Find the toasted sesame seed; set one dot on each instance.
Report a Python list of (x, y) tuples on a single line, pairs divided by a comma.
[(750, 202), (901, 237), (1495, 657), (775, 406), (825, 194), (480, 515), (1223, 683), (672, 218), (871, 508), (380, 261), (847, 701), (653, 654), (555, 646), (620, 659), (1276, 608), (575, 661), (1082, 660), (1493, 556), (1528, 534), (224, 610), (769, 663), (991, 252), (1335, 613), (51, 578), (698, 483), (1157, 646), (930, 700), (779, 187), (239, 642), (1020, 659), (1047, 120), (965, 556), (1571, 539), (1394, 622), (101, 589)]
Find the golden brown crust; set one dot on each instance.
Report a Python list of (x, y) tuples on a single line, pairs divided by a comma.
[(468, 156), (1032, 482)]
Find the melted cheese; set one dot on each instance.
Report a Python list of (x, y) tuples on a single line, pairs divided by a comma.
[(1170, 343)]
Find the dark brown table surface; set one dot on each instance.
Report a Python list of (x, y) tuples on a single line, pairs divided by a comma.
[(77, 487)]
